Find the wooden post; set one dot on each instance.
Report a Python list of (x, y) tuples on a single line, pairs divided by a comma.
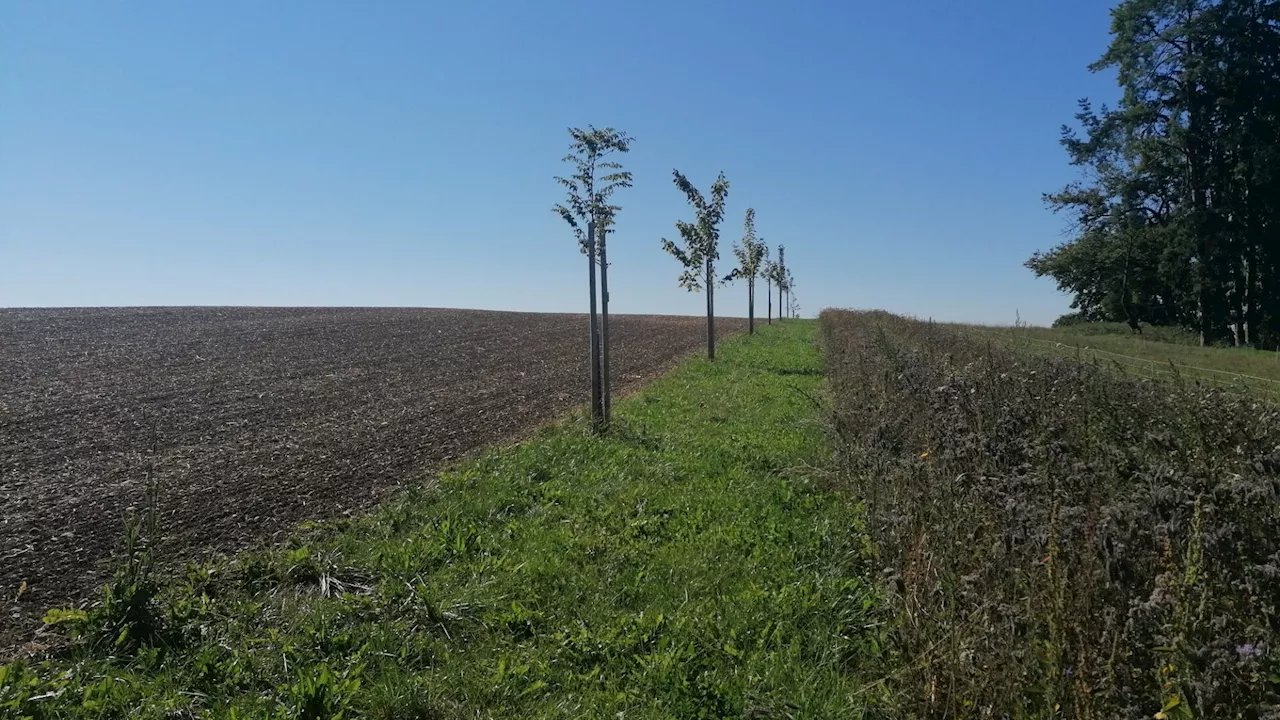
[(711, 313), (597, 414), (605, 377)]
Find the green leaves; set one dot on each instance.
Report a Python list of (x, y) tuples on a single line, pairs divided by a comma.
[(777, 271), (1180, 178), (701, 238), (750, 251), (588, 191)]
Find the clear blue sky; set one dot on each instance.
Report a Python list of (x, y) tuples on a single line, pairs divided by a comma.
[(401, 153)]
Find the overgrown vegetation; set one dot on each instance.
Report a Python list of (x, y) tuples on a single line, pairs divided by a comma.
[(1059, 540), (686, 564)]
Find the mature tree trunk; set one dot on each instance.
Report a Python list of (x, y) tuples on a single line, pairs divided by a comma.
[(606, 380), (1197, 198), (1208, 300), (1250, 298), (1237, 299), (1126, 301), (711, 310), (597, 411)]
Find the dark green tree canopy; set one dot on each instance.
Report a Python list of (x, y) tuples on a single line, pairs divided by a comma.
[(1175, 218)]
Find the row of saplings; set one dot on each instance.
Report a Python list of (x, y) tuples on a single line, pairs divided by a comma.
[(590, 211)]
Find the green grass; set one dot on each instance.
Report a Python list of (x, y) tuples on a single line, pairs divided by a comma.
[(1149, 354), (687, 565)]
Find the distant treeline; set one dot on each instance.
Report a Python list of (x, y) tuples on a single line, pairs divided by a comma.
[(1177, 221)]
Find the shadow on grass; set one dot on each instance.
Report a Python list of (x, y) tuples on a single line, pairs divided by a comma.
[(807, 372), (635, 436)]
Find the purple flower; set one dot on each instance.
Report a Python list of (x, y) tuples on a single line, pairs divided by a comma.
[(1248, 650)]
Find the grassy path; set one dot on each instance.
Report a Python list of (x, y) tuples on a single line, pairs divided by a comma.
[(684, 566)]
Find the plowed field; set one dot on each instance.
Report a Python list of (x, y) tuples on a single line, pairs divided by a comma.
[(252, 419)]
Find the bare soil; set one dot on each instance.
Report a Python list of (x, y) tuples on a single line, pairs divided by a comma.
[(253, 419)]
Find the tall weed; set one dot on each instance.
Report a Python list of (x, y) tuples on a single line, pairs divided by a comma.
[(1059, 539)]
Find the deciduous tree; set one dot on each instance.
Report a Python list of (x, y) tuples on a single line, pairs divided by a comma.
[(701, 241), (750, 252), (1176, 217), (779, 270), (589, 213)]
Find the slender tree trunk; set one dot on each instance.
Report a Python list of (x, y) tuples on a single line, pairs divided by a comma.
[(606, 380), (768, 291), (1237, 300), (1198, 198), (1202, 270), (751, 306), (711, 313), (597, 412), (1251, 299), (780, 310), (1268, 307)]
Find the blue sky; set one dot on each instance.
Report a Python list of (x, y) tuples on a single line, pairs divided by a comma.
[(402, 153)]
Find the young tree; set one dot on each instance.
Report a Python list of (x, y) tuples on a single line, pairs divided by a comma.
[(766, 272), (588, 205), (617, 178), (750, 253), (780, 277), (701, 245), (791, 298)]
